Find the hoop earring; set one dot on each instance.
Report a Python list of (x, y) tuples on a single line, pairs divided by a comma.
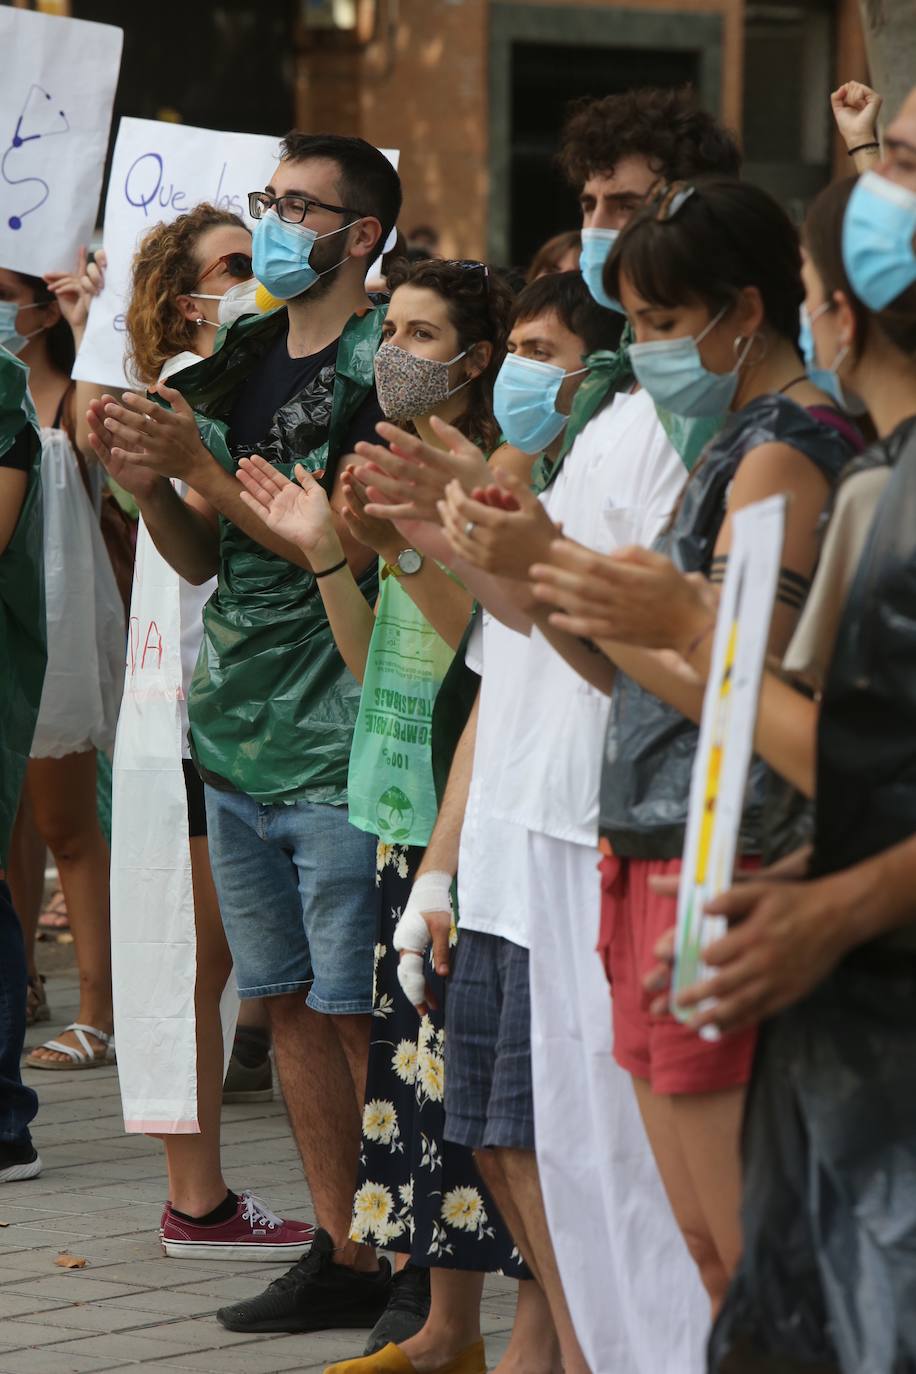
[(746, 343)]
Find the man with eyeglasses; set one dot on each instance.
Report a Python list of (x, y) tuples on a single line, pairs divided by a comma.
[(272, 706)]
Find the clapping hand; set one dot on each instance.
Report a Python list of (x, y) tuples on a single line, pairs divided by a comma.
[(501, 528), (297, 511), (407, 479)]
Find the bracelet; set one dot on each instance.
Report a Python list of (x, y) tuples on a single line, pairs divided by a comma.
[(326, 572), (863, 147)]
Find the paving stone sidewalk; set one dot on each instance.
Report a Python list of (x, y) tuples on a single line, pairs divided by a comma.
[(100, 1197)]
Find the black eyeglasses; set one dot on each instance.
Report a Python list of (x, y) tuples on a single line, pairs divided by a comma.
[(291, 209)]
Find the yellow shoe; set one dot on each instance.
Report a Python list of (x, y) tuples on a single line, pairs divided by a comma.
[(392, 1360)]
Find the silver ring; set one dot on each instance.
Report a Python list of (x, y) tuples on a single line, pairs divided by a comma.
[(469, 529)]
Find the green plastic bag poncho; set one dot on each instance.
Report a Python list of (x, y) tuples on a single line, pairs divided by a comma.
[(23, 646), (272, 705)]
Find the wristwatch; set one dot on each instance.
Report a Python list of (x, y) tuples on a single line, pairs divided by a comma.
[(408, 562)]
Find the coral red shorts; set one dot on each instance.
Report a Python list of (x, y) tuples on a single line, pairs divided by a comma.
[(671, 1057)]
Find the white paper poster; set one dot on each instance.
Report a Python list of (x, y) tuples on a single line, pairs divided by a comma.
[(58, 87), (159, 172), (727, 732)]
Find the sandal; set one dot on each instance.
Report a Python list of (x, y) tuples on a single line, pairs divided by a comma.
[(36, 1006), (54, 921), (83, 1058)]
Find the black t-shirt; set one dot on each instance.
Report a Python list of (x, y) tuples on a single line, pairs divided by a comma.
[(19, 454), (275, 381)]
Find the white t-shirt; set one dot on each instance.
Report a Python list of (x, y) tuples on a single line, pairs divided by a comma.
[(618, 485), (492, 862)]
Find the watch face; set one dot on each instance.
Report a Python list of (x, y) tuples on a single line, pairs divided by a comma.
[(410, 561)]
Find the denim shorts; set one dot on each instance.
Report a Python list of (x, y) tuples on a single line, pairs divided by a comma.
[(296, 887), (489, 1098)]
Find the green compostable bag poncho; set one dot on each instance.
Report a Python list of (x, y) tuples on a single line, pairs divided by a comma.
[(23, 647), (272, 704)]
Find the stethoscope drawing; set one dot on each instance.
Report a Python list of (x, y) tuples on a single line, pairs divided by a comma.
[(19, 140)]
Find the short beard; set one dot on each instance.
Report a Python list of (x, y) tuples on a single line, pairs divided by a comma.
[(326, 264)]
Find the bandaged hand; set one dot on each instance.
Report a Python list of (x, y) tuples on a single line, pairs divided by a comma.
[(426, 919)]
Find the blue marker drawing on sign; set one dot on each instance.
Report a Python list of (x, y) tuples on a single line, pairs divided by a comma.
[(36, 120)]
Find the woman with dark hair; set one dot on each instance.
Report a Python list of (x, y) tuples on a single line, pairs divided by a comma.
[(444, 339), (79, 703), (189, 277), (710, 277)]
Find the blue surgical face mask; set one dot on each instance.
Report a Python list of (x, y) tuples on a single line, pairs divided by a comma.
[(9, 335), (827, 378), (673, 373), (597, 245), (525, 402), (280, 255), (878, 230)]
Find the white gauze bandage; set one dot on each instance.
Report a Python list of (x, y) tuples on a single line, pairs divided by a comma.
[(430, 892)]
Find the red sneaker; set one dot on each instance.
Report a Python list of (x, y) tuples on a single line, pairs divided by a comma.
[(253, 1233)]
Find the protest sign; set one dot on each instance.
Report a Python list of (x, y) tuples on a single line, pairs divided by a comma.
[(727, 733), (59, 79)]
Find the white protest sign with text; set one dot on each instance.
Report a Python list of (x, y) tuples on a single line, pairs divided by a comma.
[(159, 172), (727, 733), (58, 87)]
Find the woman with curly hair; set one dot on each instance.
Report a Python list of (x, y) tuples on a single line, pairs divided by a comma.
[(189, 277), (443, 342)]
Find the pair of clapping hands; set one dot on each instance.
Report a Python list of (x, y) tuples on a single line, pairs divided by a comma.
[(490, 518)]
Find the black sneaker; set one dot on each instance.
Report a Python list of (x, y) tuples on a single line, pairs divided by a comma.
[(18, 1161), (407, 1310), (315, 1295)]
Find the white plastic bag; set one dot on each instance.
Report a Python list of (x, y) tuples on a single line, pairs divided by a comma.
[(85, 615), (153, 937)]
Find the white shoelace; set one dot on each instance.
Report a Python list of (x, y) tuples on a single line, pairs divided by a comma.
[(256, 1212)]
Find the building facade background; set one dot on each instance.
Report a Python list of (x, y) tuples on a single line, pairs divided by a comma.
[(473, 92)]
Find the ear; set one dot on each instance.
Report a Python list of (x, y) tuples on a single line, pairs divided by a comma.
[(750, 315), (478, 358), (366, 238), (53, 312), (189, 308), (845, 320)]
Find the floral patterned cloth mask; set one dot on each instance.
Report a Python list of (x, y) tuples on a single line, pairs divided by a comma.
[(409, 386)]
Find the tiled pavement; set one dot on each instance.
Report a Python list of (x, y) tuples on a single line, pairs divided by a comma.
[(100, 1197)]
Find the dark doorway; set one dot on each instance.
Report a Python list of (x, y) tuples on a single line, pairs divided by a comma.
[(544, 79)]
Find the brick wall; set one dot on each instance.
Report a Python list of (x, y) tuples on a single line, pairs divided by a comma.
[(422, 86)]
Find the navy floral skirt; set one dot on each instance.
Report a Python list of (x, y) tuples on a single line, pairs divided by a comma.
[(416, 1192)]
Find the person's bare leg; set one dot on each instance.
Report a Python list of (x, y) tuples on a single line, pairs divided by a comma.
[(63, 797), (196, 1183), (666, 1140), (519, 1168), (324, 1106), (490, 1167), (709, 1131), (26, 874), (253, 1014), (453, 1322), (533, 1347)]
